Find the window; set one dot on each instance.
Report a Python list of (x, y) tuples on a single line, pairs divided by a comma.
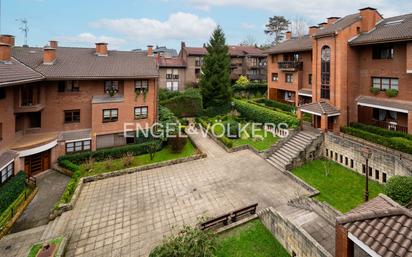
[(172, 74), (29, 95), (199, 61), (274, 58), (78, 146), (377, 174), (336, 156), (291, 57), (111, 87), (383, 177), (140, 112), (288, 77), (7, 172), (346, 161), (141, 85), (341, 158), (327, 152), (110, 115), (72, 116), (382, 52), (385, 83), (288, 96), (172, 85), (351, 163), (370, 171), (310, 79), (2, 93), (68, 86), (325, 73), (275, 77), (331, 154), (197, 73)]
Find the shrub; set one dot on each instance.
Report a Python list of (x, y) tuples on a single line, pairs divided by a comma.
[(381, 131), (68, 165), (242, 81), (264, 115), (11, 190), (187, 104), (213, 111), (232, 129), (189, 242), (374, 90), (391, 92), (89, 164), (108, 163), (177, 144), (399, 188), (127, 159), (277, 105), (70, 188), (226, 141), (165, 94), (115, 153), (252, 89)]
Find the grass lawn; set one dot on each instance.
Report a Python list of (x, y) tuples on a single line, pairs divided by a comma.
[(265, 144), (117, 164), (36, 248), (343, 188), (249, 240)]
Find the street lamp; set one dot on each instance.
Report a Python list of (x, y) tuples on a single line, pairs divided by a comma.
[(366, 153)]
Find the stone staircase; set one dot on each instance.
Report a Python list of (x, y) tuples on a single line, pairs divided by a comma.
[(56, 227), (296, 149)]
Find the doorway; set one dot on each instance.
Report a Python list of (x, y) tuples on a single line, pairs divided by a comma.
[(36, 163)]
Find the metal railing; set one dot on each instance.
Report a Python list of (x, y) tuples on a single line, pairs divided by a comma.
[(290, 65), (390, 126)]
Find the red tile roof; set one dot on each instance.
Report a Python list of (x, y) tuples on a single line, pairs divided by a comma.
[(175, 62), (233, 51), (292, 45), (382, 225), (338, 25), (15, 72)]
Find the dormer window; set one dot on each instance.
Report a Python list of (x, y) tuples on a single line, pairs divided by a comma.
[(111, 87)]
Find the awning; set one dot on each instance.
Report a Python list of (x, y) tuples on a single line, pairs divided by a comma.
[(385, 104), (6, 158), (319, 109), (76, 135), (305, 92)]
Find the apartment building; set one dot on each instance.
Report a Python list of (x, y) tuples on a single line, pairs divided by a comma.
[(351, 69), (59, 100), (177, 73)]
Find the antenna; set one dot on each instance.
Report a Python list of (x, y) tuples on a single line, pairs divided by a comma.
[(24, 27)]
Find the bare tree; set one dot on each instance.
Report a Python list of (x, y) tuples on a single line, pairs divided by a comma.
[(250, 40), (276, 26), (298, 26)]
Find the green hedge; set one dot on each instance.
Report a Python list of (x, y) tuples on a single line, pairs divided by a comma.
[(381, 131), (397, 143), (205, 124), (71, 186), (213, 111), (399, 188), (251, 90), (11, 190), (186, 104), (264, 115), (277, 105), (103, 154)]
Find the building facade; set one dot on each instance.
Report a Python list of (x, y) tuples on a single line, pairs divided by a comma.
[(61, 100), (359, 70)]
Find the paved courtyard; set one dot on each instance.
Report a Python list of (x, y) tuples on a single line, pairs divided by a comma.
[(130, 214)]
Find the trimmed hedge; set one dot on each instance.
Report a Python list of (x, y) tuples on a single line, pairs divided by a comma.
[(71, 186), (226, 141), (213, 111), (277, 105), (399, 188), (186, 104), (397, 143), (253, 89), (264, 115), (381, 131), (11, 190), (117, 152)]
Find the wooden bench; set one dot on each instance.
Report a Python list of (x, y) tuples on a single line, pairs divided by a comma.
[(221, 220), (251, 209)]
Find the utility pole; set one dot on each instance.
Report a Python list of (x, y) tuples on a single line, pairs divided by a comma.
[(24, 28)]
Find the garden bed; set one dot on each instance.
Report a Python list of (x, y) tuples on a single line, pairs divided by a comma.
[(247, 240), (340, 187), (56, 247)]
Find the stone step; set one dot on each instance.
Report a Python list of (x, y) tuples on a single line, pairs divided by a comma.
[(280, 155), (295, 149), (280, 161), (275, 164), (303, 139), (286, 154), (49, 229)]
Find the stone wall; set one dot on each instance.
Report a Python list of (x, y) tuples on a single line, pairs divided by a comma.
[(295, 240), (383, 164)]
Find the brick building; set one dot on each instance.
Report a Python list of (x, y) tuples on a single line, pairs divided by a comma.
[(348, 70), (177, 73), (57, 100)]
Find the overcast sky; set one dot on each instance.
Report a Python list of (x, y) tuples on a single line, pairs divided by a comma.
[(129, 24)]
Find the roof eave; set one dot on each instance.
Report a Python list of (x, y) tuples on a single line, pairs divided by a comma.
[(380, 41), (19, 82)]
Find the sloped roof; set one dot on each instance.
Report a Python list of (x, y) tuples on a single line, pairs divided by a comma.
[(384, 103), (292, 45), (234, 50), (15, 72), (320, 108), (338, 25), (382, 225), (78, 63), (396, 28), (175, 62)]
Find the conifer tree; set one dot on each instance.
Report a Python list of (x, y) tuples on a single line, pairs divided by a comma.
[(215, 79)]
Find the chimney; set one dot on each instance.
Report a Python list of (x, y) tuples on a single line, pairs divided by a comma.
[(49, 55), (182, 45), (101, 49), (53, 44), (332, 20), (323, 24), (288, 35), (149, 50), (5, 52), (7, 39), (312, 30), (369, 17)]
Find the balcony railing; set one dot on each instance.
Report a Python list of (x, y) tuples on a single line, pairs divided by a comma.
[(290, 65), (390, 126)]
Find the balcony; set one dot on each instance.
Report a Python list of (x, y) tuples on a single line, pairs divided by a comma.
[(393, 125), (259, 77), (290, 65), (31, 99)]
